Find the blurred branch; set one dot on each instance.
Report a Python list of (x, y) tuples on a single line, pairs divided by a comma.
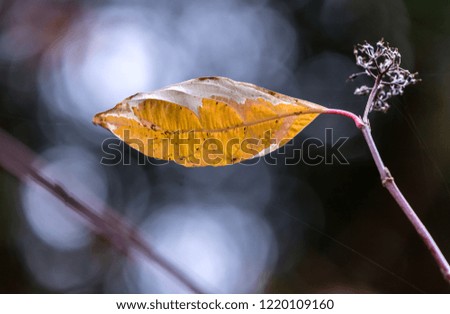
[(21, 162)]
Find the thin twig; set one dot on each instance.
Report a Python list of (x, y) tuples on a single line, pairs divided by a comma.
[(388, 181), (21, 162), (372, 95)]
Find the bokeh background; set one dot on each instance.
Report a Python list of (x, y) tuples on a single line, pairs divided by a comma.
[(240, 229)]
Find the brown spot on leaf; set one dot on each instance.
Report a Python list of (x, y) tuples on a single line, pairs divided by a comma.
[(205, 78)]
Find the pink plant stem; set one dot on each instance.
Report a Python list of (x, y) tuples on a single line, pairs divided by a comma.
[(388, 182), (348, 114)]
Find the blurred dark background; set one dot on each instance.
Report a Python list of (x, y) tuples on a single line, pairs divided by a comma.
[(260, 228)]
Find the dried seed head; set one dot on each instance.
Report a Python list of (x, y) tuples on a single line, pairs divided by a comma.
[(382, 62)]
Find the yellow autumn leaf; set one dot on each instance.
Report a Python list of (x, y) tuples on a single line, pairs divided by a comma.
[(209, 121)]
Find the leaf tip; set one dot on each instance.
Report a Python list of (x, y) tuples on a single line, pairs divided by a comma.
[(98, 119)]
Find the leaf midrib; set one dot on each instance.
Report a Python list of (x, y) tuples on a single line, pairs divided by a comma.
[(243, 125)]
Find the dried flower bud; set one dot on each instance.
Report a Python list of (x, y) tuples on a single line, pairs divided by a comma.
[(363, 90), (382, 62)]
